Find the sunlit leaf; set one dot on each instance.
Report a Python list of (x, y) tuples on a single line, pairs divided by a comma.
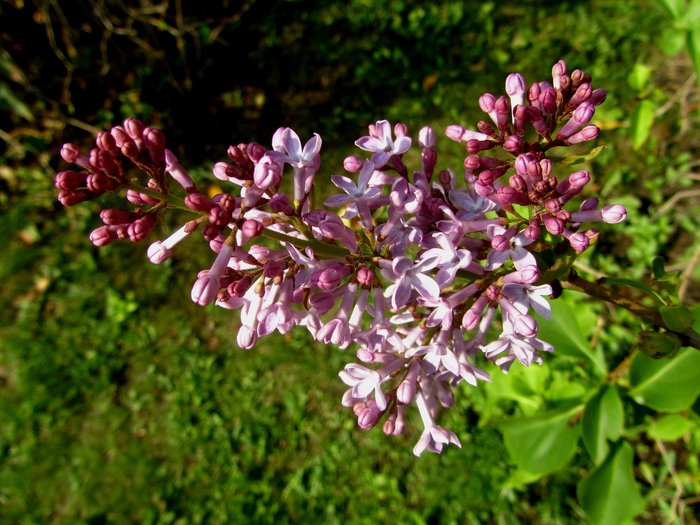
[(542, 443), (641, 122), (602, 421), (609, 495), (565, 333), (670, 427), (639, 77), (666, 384)]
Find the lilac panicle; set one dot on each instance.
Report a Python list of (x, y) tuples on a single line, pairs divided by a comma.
[(427, 269)]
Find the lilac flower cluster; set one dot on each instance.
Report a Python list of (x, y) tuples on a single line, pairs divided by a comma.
[(423, 270)]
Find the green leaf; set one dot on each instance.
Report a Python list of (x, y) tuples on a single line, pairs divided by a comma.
[(674, 7), (670, 427), (672, 41), (635, 284), (677, 318), (544, 443), (693, 41), (640, 123), (696, 312), (667, 384), (564, 331), (639, 77), (609, 495), (602, 420)]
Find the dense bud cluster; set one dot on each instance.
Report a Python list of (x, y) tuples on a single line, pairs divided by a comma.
[(423, 270)]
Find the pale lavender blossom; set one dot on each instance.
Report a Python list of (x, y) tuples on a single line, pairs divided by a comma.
[(382, 144)]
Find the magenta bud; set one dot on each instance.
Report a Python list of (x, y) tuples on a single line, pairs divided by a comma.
[(114, 217), (552, 205), (329, 279), (70, 153), (597, 97), (106, 142), (134, 128), (99, 183), (70, 198), (502, 113), (219, 216), (139, 229), (554, 226), (102, 236), (69, 180), (251, 228), (211, 232), (579, 241), (590, 203), (500, 243), (120, 136), (352, 164), (587, 133), (513, 144), (255, 151), (322, 302), (198, 202), (508, 195), (365, 276), (130, 150), (154, 139), (548, 100), (400, 129), (267, 173), (454, 132)]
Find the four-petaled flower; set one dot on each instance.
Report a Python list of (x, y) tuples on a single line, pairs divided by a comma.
[(381, 143)]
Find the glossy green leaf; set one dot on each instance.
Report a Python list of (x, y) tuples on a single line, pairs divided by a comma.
[(641, 122), (666, 384), (670, 427), (565, 333), (542, 443), (609, 495), (602, 421), (677, 318)]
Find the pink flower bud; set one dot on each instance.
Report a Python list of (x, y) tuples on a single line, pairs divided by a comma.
[(114, 217), (279, 203), (106, 142), (69, 180), (526, 326), (121, 137), (597, 97), (558, 71), (487, 103), (587, 133), (198, 202), (500, 243), (554, 226), (532, 231), (400, 129), (267, 174), (218, 216), (139, 229), (352, 164), (134, 128), (579, 241), (614, 213), (548, 100), (365, 276), (205, 289), (99, 183), (251, 228), (513, 144), (102, 236), (70, 198)]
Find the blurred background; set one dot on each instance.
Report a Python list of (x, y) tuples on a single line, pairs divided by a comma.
[(121, 401)]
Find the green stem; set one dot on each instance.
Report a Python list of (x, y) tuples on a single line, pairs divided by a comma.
[(320, 248)]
